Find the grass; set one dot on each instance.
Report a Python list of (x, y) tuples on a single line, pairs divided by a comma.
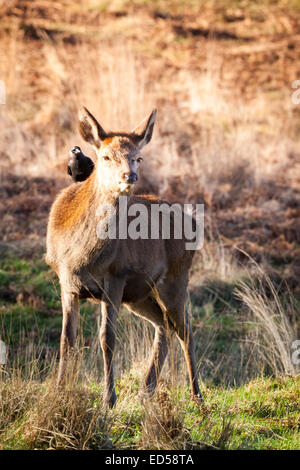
[(226, 136), (40, 417), (261, 414), (264, 413)]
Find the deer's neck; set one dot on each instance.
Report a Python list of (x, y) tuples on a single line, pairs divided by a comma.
[(102, 192), (108, 208)]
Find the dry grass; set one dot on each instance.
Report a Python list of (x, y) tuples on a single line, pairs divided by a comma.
[(274, 327), (39, 416), (226, 135)]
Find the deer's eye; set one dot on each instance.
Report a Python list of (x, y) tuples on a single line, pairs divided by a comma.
[(139, 160), (106, 158)]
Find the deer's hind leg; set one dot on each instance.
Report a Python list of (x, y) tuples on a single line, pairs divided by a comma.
[(185, 336), (70, 307), (173, 296), (150, 310)]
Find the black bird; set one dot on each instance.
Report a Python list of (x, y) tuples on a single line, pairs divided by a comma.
[(79, 166)]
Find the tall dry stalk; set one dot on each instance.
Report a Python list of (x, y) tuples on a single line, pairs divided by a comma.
[(272, 330)]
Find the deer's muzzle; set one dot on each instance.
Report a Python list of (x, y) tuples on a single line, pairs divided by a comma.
[(130, 178)]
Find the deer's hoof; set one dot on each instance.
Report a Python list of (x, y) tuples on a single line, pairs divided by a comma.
[(198, 399)]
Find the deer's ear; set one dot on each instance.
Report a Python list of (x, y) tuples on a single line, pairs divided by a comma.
[(90, 129), (143, 132)]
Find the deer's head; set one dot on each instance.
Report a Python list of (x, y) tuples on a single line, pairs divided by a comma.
[(119, 153)]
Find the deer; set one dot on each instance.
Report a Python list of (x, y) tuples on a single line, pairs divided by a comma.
[(147, 276)]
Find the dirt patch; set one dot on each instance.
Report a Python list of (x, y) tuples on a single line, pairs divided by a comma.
[(24, 206)]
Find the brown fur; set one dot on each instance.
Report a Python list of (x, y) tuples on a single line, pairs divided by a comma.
[(72, 203), (148, 276)]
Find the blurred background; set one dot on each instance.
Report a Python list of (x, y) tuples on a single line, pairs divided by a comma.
[(227, 135)]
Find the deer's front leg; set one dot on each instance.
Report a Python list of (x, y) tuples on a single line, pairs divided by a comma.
[(113, 291), (70, 307)]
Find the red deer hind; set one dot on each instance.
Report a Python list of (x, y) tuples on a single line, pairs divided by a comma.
[(148, 276)]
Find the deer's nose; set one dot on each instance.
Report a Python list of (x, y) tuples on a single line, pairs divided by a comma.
[(130, 177)]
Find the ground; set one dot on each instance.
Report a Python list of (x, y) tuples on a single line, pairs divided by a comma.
[(220, 74)]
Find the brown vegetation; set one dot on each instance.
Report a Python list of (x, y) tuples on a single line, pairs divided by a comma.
[(220, 74)]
